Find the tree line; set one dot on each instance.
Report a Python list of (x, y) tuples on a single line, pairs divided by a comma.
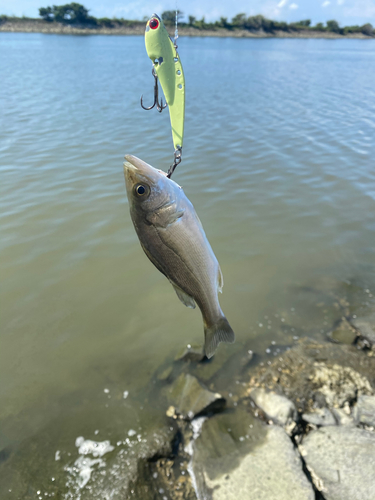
[(76, 14)]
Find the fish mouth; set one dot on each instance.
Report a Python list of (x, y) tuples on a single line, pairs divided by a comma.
[(130, 172), (134, 164), (137, 170)]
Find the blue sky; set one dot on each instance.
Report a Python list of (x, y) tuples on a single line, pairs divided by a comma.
[(346, 12)]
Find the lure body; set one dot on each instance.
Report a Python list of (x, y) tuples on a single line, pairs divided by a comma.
[(160, 49)]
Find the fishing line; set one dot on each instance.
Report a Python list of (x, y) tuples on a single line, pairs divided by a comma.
[(176, 29)]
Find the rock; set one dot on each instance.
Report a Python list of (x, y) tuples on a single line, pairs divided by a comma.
[(163, 478), (123, 468), (190, 398), (366, 327), (320, 417), (364, 410), (165, 374), (314, 374), (342, 415), (344, 333), (276, 407), (171, 412), (341, 461), (232, 460), (194, 353), (339, 384)]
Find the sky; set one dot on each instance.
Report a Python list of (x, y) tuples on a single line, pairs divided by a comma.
[(346, 12)]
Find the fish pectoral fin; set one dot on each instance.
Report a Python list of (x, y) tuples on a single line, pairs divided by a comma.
[(164, 218), (186, 299), (221, 331), (220, 281)]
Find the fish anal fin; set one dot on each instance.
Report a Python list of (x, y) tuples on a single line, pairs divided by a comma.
[(186, 299), (221, 331)]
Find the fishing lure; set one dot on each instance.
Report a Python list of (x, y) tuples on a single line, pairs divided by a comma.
[(168, 69)]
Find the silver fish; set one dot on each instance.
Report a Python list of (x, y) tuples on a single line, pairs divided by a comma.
[(173, 238)]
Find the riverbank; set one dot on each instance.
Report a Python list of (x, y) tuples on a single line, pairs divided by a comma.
[(40, 26)]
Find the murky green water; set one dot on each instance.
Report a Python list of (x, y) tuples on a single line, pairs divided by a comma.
[(279, 162)]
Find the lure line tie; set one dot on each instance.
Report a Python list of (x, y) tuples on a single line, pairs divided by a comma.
[(176, 161)]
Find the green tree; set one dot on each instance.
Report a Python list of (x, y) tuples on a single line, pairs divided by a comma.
[(333, 26), (239, 20), (223, 23), (319, 27), (46, 13), (267, 24), (70, 13), (254, 22), (282, 25), (367, 29), (169, 16), (201, 24), (306, 22), (352, 29), (106, 22), (192, 20)]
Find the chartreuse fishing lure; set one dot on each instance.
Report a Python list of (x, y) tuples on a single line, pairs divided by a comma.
[(166, 66)]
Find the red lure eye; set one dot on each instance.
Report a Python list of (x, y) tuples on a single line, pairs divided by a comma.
[(154, 23)]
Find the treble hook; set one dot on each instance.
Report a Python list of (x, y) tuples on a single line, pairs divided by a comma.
[(160, 106)]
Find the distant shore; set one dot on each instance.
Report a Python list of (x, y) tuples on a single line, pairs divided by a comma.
[(40, 26)]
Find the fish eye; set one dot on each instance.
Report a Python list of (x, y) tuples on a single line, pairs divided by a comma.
[(154, 23), (141, 190)]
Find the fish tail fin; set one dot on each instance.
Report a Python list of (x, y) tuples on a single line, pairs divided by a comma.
[(220, 331)]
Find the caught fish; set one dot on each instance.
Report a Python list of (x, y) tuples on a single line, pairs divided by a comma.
[(173, 238)]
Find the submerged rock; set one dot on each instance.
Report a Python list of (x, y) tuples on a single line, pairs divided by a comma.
[(163, 478), (190, 398), (341, 461), (320, 417), (364, 410), (165, 374), (276, 407), (239, 457), (366, 327), (191, 352), (344, 333)]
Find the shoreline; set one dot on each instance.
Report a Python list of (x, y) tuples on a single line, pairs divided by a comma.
[(138, 30)]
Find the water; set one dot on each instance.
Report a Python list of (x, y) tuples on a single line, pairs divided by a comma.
[(279, 163)]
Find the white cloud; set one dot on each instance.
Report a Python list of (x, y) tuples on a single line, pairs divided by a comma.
[(340, 2), (282, 3), (293, 6), (326, 3)]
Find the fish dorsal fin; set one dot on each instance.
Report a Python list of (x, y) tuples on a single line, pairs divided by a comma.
[(165, 216), (186, 299), (220, 281)]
